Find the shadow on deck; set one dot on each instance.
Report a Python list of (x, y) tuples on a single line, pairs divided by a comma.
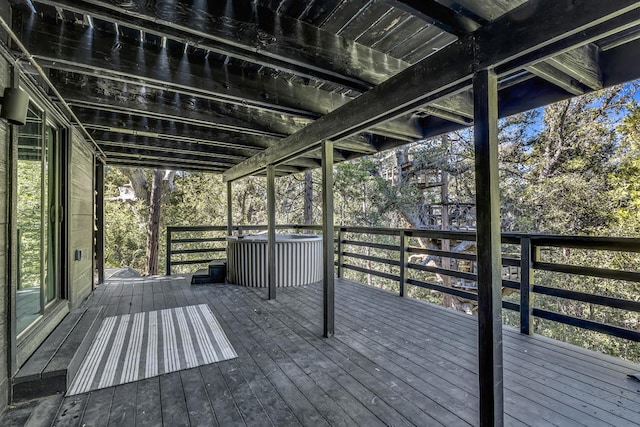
[(393, 361)]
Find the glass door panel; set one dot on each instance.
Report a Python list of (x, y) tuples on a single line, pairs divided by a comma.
[(51, 219), (29, 207)]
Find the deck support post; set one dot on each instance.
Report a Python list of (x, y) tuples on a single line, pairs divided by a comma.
[(229, 208), (99, 182), (328, 288), (485, 95), (271, 229)]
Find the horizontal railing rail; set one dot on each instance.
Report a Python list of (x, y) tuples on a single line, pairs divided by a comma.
[(176, 245), (394, 251)]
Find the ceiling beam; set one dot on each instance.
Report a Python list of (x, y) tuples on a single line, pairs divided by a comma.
[(436, 14), (582, 64), (150, 154), (120, 141), (166, 145), (406, 128), (162, 111), (551, 74), (276, 41), (616, 40), (97, 129), (163, 128), (460, 104), (569, 70), (157, 111), (544, 28), (136, 96), (70, 47), (90, 52), (447, 115), (168, 164), (133, 124), (250, 99)]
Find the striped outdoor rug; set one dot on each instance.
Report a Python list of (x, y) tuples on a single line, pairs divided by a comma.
[(132, 347)]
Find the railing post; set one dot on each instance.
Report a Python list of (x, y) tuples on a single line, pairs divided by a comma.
[(404, 244), (168, 267), (527, 256), (229, 208), (339, 234)]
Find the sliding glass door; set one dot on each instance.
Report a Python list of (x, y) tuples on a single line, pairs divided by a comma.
[(38, 218)]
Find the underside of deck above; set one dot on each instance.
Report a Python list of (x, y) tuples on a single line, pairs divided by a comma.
[(208, 85)]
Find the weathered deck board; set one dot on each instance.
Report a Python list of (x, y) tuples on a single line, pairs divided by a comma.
[(392, 361), (198, 403), (173, 402), (519, 368), (123, 406), (148, 404), (96, 413)]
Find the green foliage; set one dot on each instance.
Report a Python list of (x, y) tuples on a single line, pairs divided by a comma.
[(625, 178), (29, 221), (557, 180), (361, 196), (125, 228), (198, 198)]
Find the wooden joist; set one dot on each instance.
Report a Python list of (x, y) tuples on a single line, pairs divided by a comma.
[(444, 114), (297, 48), (437, 14), (91, 53), (167, 146), (162, 111), (581, 64), (551, 74), (136, 125), (149, 153), (115, 160), (500, 44)]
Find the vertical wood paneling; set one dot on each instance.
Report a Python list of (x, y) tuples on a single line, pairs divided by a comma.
[(80, 218)]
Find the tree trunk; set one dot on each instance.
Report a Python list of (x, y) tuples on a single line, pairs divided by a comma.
[(308, 198), (153, 226)]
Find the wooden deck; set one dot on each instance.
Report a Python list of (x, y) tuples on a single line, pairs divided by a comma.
[(393, 361)]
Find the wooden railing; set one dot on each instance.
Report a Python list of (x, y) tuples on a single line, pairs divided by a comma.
[(523, 252), (198, 245)]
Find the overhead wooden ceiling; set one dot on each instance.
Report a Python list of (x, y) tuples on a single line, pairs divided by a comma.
[(206, 85)]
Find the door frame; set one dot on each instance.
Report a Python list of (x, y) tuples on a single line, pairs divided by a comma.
[(22, 346)]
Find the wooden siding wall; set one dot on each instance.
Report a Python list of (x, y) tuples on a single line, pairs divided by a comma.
[(80, 219), (5, 287)]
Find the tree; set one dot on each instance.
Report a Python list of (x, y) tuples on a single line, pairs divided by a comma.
[(627, 185), (146, 199), (565, 165)]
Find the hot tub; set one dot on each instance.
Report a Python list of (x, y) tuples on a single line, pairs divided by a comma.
[(298, 260)]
